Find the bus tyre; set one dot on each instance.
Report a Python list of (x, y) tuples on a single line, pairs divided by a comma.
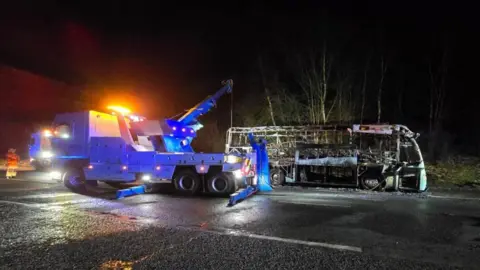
[(277, 177), (222, 184), (187, 182), (74, 179), (373, 182)]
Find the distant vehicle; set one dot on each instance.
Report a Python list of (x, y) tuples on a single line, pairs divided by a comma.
[(120, 147), (40, 149), (373, 157)]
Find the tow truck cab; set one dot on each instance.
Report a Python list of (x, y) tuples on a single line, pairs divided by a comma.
[(40, 149), (96, 146)]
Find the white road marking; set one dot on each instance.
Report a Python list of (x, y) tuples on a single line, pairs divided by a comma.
[(19, 203), (456, 197), (47, 205), (67, 202), (311, 201), (315, 204), (45, 196), (290, 241), (43, 181)]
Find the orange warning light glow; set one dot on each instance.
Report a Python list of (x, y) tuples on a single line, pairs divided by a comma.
[(120, 109)]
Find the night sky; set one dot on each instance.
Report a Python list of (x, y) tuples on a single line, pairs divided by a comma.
[(169, 57)]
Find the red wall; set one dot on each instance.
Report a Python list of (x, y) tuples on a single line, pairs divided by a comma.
[(27, 100)]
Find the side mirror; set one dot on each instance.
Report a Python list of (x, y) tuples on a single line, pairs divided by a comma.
[(417, 135)]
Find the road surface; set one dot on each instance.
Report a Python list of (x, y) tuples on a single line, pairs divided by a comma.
[(45, 226)]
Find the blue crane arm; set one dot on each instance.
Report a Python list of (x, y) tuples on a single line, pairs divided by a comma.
[(190, 117)]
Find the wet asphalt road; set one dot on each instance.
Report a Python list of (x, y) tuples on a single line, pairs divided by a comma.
[(45, 226)]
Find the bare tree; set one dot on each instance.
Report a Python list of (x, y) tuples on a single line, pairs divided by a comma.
[(400, 91), (437, 90), (364, 88), (288, 107), (383, 70), (438, 93), (343, 87), (265, 87), (315, 83)]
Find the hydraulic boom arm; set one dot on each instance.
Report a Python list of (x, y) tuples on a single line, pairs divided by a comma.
[(190, 117)]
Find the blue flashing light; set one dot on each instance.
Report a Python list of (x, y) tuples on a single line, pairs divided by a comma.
[(179, 130), (71, 157)]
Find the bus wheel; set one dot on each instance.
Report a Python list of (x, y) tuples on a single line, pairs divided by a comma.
[(371, 182), (277, 177)]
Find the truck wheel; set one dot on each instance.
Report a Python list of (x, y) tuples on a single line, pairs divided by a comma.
[(187, 182), (92, 183), (277, 177), (74, 179), (221, 183), (42, 166), (45, 164)]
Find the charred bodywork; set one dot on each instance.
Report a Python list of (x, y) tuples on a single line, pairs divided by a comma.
[(375, 157)]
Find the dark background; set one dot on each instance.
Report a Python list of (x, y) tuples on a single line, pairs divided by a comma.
[(64, 55)]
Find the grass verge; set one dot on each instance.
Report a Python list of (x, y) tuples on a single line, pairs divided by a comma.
[(456, 171)]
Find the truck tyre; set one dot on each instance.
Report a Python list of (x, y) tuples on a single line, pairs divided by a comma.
[(222, 184), (277, 177), (187, 182), (41, 165), (92, 183), (45, 164), (74, 179)]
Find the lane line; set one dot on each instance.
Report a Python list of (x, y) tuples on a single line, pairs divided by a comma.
[(33, 180), (20, 203), (455, 198), (48, 204), (48, 195), (314, 204), (16, 190), (72, 202), (289, 240)]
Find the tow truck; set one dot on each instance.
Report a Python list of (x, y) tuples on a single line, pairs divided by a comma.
[(121, 147), (40, 149)]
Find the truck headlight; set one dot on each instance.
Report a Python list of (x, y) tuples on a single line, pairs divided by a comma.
[(231, 159), (238, 174), (46, 154)]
